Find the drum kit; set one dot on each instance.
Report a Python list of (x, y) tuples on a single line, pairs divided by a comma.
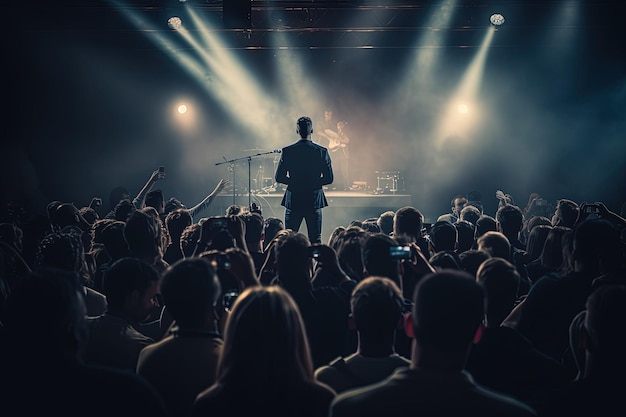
[(389, 182)]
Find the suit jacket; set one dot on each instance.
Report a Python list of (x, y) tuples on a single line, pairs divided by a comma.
[(304, 167)]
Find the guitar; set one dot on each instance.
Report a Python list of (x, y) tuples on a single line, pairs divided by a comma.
[(336, 139)]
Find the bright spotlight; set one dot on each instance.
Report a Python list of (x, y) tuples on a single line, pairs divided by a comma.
[(182, 109), (462, 108), (496, 19), (174, 22)]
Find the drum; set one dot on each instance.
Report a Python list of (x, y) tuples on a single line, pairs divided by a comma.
[(387, 182)]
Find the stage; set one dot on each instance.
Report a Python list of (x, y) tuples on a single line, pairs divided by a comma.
[(343, 206)]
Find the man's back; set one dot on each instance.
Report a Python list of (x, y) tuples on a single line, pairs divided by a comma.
[(426, 393), (357, 370), (180, 367), (306, 162), (114, 342)]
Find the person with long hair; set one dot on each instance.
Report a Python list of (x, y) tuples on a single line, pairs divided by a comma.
[(266, 366)]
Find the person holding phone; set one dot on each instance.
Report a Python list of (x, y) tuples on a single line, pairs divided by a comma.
[(304, 167)]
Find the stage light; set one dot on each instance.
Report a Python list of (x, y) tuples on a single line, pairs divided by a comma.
[(174, 22), (496, 19), (182, 109), (462, 108)]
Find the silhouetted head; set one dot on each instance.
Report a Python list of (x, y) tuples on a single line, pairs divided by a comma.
[(447, 311), (304, 126)]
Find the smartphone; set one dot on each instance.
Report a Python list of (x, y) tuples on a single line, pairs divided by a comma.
[(400, 252), (592, 208), (314, 252), (222, 261), (161, 169), (229, 299), (541, 202), (218, 223)]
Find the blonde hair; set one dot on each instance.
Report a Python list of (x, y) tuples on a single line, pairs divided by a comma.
[(265, 343)]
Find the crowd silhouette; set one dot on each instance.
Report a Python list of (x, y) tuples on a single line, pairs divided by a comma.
[(151, 309)]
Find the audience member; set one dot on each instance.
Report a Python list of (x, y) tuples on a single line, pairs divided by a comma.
[(475, 198), (503, 359), (269, 270), (131, 287), (43, 370), (551, 257), (457, 204), (448, 310), (472, 259), (144, 236), (545, 315), (370, 226), (189, 239), (270, 228), (325, 309), (509, 220), (534, 244), (498, 246), (176, 221), (466, 233), (385, 221), (377, 309), (116, 247), (254, 235), (484, 224), (272, 378), (350, 255), (470, 213), (184, 363), (443, 237), (333, 239), (65, 251), (566, 213), (221, 233), (600, 389), (408, 226), (530, 223), (445, 260)]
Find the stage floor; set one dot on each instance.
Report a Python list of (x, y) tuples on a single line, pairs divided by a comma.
[(343, 206)]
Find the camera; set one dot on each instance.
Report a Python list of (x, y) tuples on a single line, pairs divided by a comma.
[(400, 252), (592, 208), (229, 299)]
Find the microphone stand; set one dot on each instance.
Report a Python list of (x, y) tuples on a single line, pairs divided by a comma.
[(249, 159)]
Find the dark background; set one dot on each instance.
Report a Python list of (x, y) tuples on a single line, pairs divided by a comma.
[(88, 97)]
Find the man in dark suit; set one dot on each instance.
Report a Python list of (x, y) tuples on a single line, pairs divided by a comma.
[(304, 167)]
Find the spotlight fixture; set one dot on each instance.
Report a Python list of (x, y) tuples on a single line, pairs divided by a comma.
[(174, 22), (496, 19)]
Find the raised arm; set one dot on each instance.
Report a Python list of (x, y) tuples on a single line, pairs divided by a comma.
[(206, 201), (140, 200)]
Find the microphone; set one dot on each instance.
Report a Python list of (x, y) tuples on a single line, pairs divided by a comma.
[(277, 151)]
